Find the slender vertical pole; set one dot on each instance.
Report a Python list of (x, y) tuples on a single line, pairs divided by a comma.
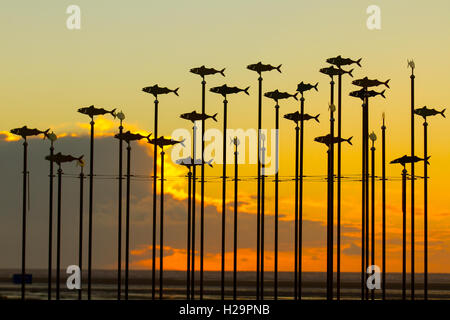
[(338, 204), (383, 192), (258, 204), (155, 175), (366, 180), (24, 217), (58, 235), (330, 215), (194, 178), (235, 222), (224, 185), (119, 223), (412, 187), (202, 193), (50, 224), (91, 195), (404, 234), (296, 210), (425, 210), (363, 199), (80, 230), (263, 181), (275, 276), (300, 187), (127, 222), (188, 262), (161, 232), (373, 210)]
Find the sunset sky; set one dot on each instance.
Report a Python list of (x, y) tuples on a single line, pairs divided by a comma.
[(48, 72)]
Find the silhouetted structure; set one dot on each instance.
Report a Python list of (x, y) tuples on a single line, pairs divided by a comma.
[(383, 206), (25, 132), (373, 138), (92, 111), (259, 68), (80, 226), (121, 117), (52, 137), (225, 90), (155, 90), (236, 177)]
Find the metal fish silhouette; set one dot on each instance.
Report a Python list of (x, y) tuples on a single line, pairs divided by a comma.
[(327, 140), (411, 64), (339, 61), (194, 116), (260, 67), (366, 82), (161, 142), (364, 93), (302, 87), (425, 112), (93, 111), (332, 71), (277, 95), (189, 162), (224, 90), (128, 136), (203, 71), (297, 116), (408, 159), (157, 90), (25, 132), (60, 158)]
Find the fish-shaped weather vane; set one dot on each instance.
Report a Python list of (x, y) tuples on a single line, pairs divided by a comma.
[(189, 162), (411, 64), (224, 90), (61, 158), (162, 142), (364, 93), (408, 159), (303, 87), (425, 112), (195, 116), (328, 141), (339, 61), (277, 95), (157, 90), (204, 71), (332, 71), (129, 136), (366, 82), (92, 111), (297, 116), (25, 132), (260, 67)]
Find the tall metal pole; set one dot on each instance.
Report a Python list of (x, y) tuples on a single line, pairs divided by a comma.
[(50, 224), (224, 173), (300, 196), (383, 192), (425, 210), (127, 221), (263, 180), (373, 209), (24, 216), (80, 229), (58, 235), (412, 185), (338, 204), (330, 215), (404, 234), (258, 205), (296, 210), (235, 220), (194, 178), (188, 262), (275, 276), (363, 204), (202, 193), (155, 175), (91, 195), (161, 225), (366, 180), (119, 224)]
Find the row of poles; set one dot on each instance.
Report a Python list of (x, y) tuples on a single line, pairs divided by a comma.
[(191, 163)]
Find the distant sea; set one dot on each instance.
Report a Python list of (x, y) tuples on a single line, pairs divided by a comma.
[(104, 285)]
